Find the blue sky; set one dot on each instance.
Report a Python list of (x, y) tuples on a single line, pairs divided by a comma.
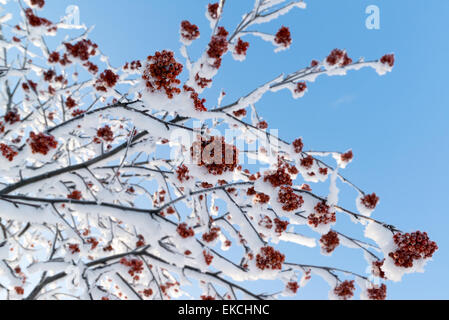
[(396, 124)]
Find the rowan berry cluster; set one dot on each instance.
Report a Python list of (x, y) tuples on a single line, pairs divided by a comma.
[(293, 287), (104, 134), (134, 65), (266, 222), (135, 266), (377, 292), (241, 47), (283, 37), (41, 143), (212, 235), (107, 79), (202, 82), (140, 241), (298, 145), (161, 73), (307, 162), (208, 257), (189, 31), (414, 246), (182, 173), (377, 269), (388, 59), (74, 248), (75, 195), (281, 226), (184, 231), (370, 201), (12, 116), (218, 46), (38, 3), (345, 290), (212, 8), (347, 157), (301, 87), (290, 200), (8, 152), (70, 103), (82, 50), (198, 103), (270, 259), (340, 57), (330, 241), (322, 216), (204, 152), (36, 21), (240, 113)]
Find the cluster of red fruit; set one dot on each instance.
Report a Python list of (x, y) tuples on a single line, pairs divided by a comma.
[(241, 47), (82, 50), (345, 290), (212, 235), (322, 216), (370, 201), (377, 292), (301, 87), (340, 57), (8, 152), (388, 59), (182, 173), (184, 231), (105, 133), (290, 200), (293, 286), (208, 257), (283, 37), (38, 3), (41, 143), (270, 259), (12, 116), (330, 241), (204, 153), (218, 46), (414, 246), (161, 73), (281, 225), (212, 8), (197, 102), (135, 266), (107, 79), (75, 195), (189, 31), (36, 21)]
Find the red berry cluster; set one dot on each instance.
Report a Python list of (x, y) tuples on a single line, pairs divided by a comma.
[(82, 50), (377, 292), (140, 241), (345, 290), (414, 246), (388, 59), (212, 235), (307, 162), (322, 216), (340, 57), (36, 21), (8, 152), (301, 87), (330, 241), (261, 198), (202, 82), (212, 8), (75, 195), (105, 133), (241, 47), (377, 269), (269, 258), (49, 74), (19, 290), (370, 201), (189, 31), (38, 3), (266, 222), (198, 103), (135, 266), (206, 298), (293, 286), (218, 46), (203, 152), (26, 86), (93, 243), (283, 37), (134, 65), (281, 226), (183, 173), (74, 248), (239, 113), (290, 200), (208, 257), (262, 125), (298, 145), (184, 231), (108, 79), (347, 157), (12, 116), (41, 143), (161, 72), (70, 103)]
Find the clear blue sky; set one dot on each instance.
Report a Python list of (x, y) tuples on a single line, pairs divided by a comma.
[(397, 125)]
